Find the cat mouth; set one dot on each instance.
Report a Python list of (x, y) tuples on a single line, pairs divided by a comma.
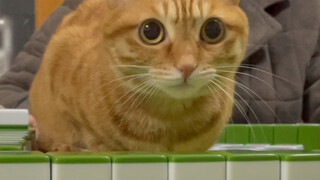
[(182, 86), (182, 90)]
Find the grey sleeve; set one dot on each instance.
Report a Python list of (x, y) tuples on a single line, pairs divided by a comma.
[(15, 84), (312, 88)]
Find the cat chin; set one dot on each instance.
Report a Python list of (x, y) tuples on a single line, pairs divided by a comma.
[(183, 92)]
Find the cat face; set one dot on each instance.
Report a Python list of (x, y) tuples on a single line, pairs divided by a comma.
[(176, 47)]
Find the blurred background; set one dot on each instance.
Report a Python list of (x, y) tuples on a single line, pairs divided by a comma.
[(18, 20)]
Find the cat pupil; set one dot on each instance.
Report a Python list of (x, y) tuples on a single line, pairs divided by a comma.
[(152, 30), (213, 29)]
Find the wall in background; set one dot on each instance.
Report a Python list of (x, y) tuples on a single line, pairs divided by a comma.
[(21, 15), (18, 21), (44, 8)]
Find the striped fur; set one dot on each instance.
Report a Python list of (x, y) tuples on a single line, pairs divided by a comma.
[(83, 96)]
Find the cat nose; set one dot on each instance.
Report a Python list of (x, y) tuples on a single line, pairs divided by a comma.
[(187, 70)]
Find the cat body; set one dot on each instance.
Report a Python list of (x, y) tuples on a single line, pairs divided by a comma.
[(100, 87)]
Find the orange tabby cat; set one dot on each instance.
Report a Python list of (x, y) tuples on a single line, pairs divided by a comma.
[(139, 75)]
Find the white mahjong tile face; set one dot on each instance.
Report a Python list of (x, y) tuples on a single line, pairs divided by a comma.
[(269, 170), (81, 171), (25, 171), (139, 167), (200, 170)]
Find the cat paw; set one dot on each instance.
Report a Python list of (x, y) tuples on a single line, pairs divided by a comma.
[(67, 148)]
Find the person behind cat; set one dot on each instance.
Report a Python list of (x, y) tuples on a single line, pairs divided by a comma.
[(280, 74)]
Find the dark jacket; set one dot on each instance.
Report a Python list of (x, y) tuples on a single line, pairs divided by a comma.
[(281, 70)]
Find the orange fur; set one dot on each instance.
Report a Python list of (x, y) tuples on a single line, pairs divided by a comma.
[(83, 96)]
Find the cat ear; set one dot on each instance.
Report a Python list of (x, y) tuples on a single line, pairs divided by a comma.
[(233, 2)]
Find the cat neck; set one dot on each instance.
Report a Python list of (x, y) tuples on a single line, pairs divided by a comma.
[(163, 106)]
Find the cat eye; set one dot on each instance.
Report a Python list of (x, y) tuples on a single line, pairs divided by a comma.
[(212, 31), (152, 32)]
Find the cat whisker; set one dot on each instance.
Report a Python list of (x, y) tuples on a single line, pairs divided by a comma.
[(246, 103), (106, 95), (149, 90), (133, 66), (163, 71), (243, 65), (166, 79), (210, 72), (135, 76), (153, 93), (136, 91), (231, 120), (249, 91), (268, 45), (257, 45), (96, 74), (257, 69), (236, 103), (211, 89), (259, 79), (229, 96), (149, 94)]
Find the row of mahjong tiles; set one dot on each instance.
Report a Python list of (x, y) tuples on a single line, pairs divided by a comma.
[(226, 165), (217, 165), (15, 136)]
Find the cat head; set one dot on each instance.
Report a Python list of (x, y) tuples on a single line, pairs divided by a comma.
[(175, 47)]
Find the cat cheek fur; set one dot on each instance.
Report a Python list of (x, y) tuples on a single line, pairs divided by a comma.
[(82, 98), (233, 2)]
